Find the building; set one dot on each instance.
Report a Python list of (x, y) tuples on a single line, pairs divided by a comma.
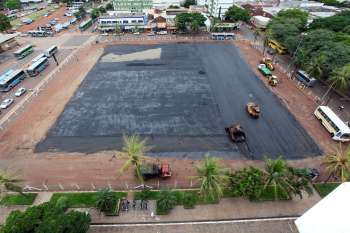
[(132, 5), (216, 8), (170, 15), (7, 41), (164, 4), (125, 21), (329, 215)]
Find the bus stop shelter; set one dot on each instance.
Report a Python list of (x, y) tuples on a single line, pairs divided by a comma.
[(330, 215)]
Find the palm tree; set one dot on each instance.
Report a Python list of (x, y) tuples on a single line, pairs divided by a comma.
[(134, 149), (9, 183), (277, 177), (338, 164), (315, 66), (212, 177), (340, 78)]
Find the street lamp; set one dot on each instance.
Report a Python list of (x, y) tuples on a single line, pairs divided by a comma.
[(297, 49)]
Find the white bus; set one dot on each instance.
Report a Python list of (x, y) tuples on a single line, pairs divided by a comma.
[(10, 79), (50, 51), (37, 58), (222, 36), (303, 77), (38, 66), (334, 125)]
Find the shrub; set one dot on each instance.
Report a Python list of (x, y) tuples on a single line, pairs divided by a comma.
[(46, 218), (106, 200), (189, 200), (62, 203), (247, 183), (165, 202)]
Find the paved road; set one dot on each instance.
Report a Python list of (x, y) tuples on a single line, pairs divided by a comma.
[(182, 101), (275, 226)]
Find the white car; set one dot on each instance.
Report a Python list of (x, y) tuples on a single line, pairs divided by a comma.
[(20, 91), (6, 103)]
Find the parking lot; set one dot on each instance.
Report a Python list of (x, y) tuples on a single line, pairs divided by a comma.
[(181, 97)]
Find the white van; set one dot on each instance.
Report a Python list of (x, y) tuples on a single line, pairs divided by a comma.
[(334, 125)]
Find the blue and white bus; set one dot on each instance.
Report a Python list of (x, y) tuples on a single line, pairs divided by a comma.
[(35, 68), (10, 79), (37, 58)]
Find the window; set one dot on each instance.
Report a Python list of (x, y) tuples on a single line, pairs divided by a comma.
[(125, 21), (140, 21), (133, 21)]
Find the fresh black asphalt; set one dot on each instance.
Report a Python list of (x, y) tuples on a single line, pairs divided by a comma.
[(181, 102)]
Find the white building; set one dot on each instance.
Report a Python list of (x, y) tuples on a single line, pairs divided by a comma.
[(126, 22), (217, 8), (164, 4), (330, 215)]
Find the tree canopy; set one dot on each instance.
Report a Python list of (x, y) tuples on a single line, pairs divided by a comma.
[(336, 23), (12, 4), (235, 13), (188, 3), (4, 23), (46, 218), (192, 20)]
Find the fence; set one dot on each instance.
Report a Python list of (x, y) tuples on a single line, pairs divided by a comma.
[(114, 185)]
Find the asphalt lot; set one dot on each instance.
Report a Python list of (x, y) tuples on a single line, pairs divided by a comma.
[(181, 97), (276, 226)]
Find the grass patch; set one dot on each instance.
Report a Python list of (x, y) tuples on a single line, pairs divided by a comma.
[(18, 199), (325, 188), (82, 200), (16, 23), (269, 195)]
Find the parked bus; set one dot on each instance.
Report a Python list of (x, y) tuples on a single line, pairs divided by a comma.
[(50, 51), (10, 79), (35, 68), (303, 77), (222, 36), (24, 51), (40, 33), (277, 47), (85, 25), (334, 125), (12, 17), (37, 58)]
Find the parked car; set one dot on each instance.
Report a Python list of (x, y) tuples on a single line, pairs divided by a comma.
[(20, 91), (151, 34), (162, 33), (52, 22), (27, 21), (6, 103)]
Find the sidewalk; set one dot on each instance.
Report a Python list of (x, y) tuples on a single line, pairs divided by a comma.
[(227, 209)]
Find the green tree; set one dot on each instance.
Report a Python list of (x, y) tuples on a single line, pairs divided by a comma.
[(12, 4), (102, 10), (341, 77), (188, 3), (193, 20), (212, 178), (285, 180), (82, 12), (338, 164), (235, 13), (173, 7), (46, 218), (95, 13), (334, 23), (109, 7), (106, 200), (134, 152), (4, 23)]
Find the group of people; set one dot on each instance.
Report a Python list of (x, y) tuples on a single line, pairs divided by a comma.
[(125, 203)]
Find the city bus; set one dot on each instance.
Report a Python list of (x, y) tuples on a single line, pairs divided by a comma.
[(85, 25), (24, 51), (35, 68), (335, 126), (222, 36), (40, 33), (37, 58), (10, 79), (51, 51), (276, 46)]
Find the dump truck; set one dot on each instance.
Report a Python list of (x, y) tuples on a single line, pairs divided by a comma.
[(151, 170)]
